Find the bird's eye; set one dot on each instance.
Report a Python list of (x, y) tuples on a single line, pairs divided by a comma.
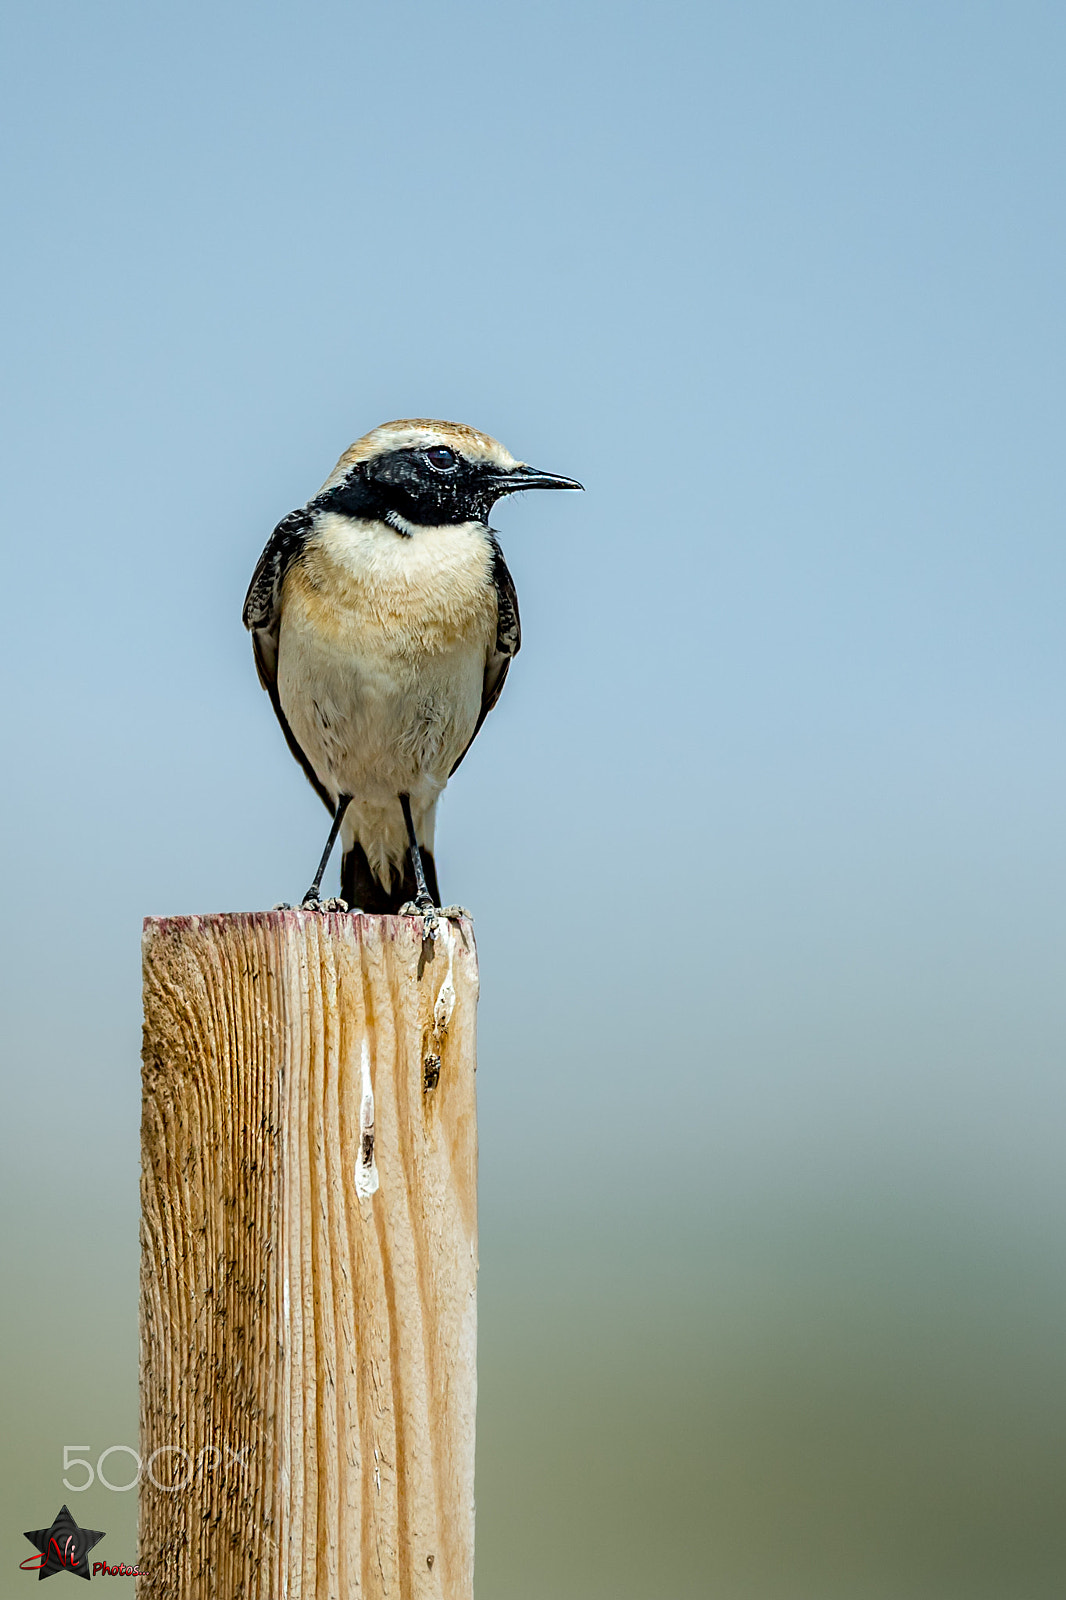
[(442, 458)]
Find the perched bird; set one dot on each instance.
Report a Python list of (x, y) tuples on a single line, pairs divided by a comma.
[(383, 621)]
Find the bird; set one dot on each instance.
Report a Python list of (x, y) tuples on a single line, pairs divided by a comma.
[(384, 622)]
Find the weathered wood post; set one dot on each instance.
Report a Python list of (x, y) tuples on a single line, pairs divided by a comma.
[(309, 1258)]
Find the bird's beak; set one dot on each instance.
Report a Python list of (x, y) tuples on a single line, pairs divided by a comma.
[(523, 477)]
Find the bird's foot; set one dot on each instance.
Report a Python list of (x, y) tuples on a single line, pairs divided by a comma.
[(311, 903), (432, 915), (422, 906)]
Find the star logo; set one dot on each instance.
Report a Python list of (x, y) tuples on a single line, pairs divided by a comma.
[(64, 1547)]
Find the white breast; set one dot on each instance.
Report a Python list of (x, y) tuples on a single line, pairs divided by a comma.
[(382, 653)]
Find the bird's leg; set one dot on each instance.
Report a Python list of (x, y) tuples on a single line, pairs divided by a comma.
[(311, 901), (423, 898)]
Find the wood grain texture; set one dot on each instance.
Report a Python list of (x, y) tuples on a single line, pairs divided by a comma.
[(308, 1376)]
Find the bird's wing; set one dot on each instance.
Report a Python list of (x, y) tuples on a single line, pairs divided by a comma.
[(508, 641), (262, 603), (262, 618)]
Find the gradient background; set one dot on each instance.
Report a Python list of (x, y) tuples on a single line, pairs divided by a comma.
[(765, 841)]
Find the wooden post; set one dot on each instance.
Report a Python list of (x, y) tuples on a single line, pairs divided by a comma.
[(308, 1258)]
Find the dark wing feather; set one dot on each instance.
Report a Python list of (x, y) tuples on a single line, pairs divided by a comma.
[(262, 618), (508, 640)]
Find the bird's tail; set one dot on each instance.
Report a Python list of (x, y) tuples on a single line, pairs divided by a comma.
[(364, 890)]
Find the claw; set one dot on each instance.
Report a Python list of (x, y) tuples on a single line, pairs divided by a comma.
[(432, 916), (427, 911)]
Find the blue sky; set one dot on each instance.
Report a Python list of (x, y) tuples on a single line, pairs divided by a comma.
[(773, 800)]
